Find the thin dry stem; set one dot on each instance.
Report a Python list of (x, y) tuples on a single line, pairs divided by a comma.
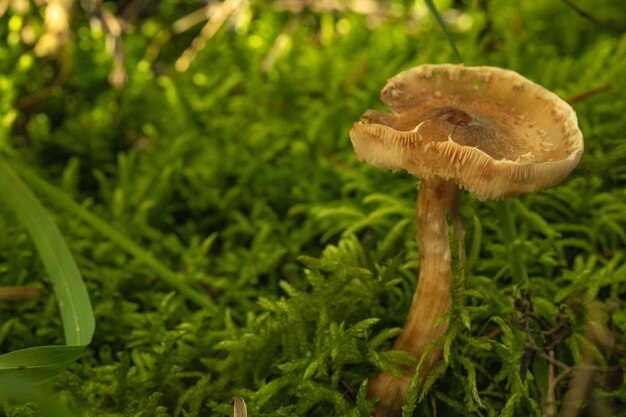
[(590, 92), (550, 406), (20, 292), (239, 407), (581, 385), (280, 44), (215, 22)]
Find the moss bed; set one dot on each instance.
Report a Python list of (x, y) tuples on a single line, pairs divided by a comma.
[(220, 147)]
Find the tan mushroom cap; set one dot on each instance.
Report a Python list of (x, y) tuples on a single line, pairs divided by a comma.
[(490, 130)]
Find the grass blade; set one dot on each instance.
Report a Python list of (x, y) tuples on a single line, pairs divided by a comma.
[(69, 288), (442, 25), (37, 363), (58, 197)]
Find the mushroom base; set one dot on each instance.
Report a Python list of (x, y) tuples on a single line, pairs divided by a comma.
[(432, 296)]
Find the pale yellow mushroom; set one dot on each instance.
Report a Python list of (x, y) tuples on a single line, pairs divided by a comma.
[(484, 129)]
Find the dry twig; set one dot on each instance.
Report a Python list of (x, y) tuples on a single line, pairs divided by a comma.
[(20, 292), (597, 335), (588, 93), (280, 44), (215, 22), (588, 16), (239, 407)]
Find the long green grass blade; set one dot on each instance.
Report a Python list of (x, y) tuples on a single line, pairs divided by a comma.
[(442, 25), (72, 296), (58, 197), (37, 363)]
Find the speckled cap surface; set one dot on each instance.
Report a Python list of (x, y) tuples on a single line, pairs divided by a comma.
[(490, 130)]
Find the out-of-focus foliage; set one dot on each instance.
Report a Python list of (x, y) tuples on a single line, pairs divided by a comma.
[(215, 134)]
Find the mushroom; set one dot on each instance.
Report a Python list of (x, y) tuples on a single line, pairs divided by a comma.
[(484, 129)]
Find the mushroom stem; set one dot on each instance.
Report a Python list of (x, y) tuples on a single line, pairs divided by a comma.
[(432, 296)]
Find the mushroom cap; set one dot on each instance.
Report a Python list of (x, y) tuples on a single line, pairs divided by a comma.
[(490, 130)]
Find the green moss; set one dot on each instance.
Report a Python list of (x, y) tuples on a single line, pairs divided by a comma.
[(238, 174)]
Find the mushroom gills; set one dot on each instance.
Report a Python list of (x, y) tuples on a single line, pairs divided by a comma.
[(465, 127)]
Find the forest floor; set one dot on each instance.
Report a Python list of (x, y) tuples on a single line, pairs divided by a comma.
[(197, 161)]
